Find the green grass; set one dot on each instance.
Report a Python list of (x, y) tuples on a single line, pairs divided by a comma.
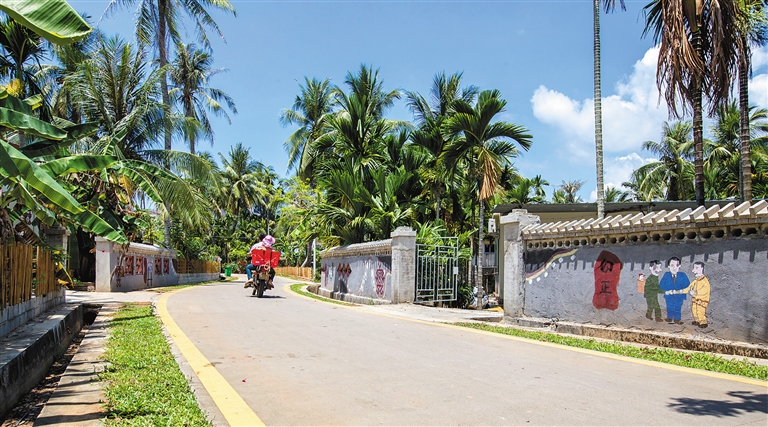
[(697, 360), (296, 287), (143, 384)]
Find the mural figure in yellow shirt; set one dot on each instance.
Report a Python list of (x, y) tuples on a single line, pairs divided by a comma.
[(699, 290)]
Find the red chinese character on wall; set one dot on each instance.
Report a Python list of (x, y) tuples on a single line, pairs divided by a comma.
[(607, 272)]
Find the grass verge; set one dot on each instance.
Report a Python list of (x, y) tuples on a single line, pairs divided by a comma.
[(143, 384), (698, 360), (296, 287)]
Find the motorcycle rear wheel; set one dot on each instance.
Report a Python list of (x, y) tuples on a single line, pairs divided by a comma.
[(259, 289)]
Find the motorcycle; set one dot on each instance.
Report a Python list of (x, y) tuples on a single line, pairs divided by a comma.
[(264, 261)]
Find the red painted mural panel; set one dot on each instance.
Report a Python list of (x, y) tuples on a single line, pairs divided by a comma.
[(607, 272)]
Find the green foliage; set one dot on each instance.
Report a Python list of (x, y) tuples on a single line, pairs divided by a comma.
[(55, 20), (136, 395)]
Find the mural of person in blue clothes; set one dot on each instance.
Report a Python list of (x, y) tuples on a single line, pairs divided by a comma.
[(674, 280)]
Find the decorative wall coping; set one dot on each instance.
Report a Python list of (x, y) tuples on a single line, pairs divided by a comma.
[(140, 249), (745, 219), (380, 247)]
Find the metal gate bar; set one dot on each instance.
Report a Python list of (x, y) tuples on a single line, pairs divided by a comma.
[(436, 271)]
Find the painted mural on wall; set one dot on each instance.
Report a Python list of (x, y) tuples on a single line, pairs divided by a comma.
[(364, 275), (607, 273), (666, 287), (343, 271), (651, 290)]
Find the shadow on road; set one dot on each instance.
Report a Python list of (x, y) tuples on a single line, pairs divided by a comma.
[(268, 296), (747, 402)]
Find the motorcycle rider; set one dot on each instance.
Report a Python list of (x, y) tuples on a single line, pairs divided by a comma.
[(265, 242)]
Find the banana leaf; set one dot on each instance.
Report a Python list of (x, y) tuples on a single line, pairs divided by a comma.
[(18, 105), (80, 163), (54, 20), (25, 176), (30, 125), (18, 167), (92, 222)]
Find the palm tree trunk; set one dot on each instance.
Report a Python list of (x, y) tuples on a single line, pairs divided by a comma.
[(746, 162), (163, 53), (698, 135), (598, 116), (480, 247)]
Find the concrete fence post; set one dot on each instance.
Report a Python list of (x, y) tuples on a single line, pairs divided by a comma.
[(403, 265), (513, 269), (106, 260)]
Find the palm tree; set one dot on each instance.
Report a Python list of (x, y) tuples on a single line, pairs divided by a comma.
[(241, 176), (22, 53), (484, 147), (310, 112), (567, 192), (609, 5), (751, 31), (344, 213), (430, 116), (614, 195), (190, 76), (358, 129), (157, 23), (673, 170), (115, 89), (696, 57), (523, 193), (723, 153)]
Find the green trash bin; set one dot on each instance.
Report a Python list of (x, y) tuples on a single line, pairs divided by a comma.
[(227, 271)]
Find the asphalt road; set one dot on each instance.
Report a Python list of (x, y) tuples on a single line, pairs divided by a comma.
[(297, 361)]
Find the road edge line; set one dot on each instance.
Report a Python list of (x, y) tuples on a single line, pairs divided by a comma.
[(229, 402)]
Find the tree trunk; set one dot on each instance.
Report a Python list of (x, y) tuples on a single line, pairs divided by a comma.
[(480, 250), (162, 11), (698, 135), (744, 139), (308, 258), (598, 117)]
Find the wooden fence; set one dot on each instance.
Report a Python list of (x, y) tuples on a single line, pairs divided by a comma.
[(193, 266), (303, 272), (25, 271)]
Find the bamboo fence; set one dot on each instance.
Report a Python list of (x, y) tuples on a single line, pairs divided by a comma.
[(25, 271), (193, 266), (303, 272)]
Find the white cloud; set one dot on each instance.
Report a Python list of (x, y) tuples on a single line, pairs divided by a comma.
[(630, 117), (617, 171), (758, 91), (758, 84), (759, 57)]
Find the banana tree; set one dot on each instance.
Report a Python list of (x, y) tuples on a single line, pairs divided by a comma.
[(54, 20)]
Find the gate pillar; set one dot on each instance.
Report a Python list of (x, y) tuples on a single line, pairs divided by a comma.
[(512, 269), (403, 264)]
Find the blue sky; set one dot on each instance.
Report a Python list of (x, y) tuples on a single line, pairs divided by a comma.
[(537, 53)]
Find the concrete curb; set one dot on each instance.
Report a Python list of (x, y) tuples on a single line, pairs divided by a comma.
[(78, 399), (29, 351), (681, 341)]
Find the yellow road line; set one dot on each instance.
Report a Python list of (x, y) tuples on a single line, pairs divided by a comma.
[(231, 405), (652, 363)]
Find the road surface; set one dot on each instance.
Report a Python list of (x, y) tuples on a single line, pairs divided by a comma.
[(297, 361)]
